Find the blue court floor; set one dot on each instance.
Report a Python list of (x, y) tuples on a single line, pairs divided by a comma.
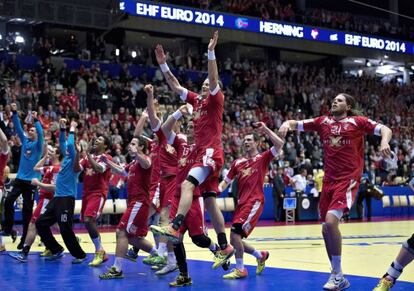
[(39, 274)]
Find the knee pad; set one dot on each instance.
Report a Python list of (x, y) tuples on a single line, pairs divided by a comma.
[(192, 180), (237, 228), (409, 244), (201, 241)]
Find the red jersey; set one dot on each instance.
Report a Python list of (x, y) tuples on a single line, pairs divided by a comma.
[(138, 182), (343, 143), (3, 164), (186, 158), (155, 165), (95, 182), (250, 174), (207, 118), (167, 155), (49, 177)]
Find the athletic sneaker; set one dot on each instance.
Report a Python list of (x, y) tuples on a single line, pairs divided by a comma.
[(384, 285), (76, 261), (54, 257), (155, 259), (166, 270), (168, 231), (261, 263), (20, 256), (112, 274), (336, 282), (100, 257), (181, 280), (222, 256), (2, 248), (131, 255), (45, 253), (236, 274)]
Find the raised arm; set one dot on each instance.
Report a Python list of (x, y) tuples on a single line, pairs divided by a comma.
[(62, 136), (139, 128), (17, 123), (39, 129), (114, 167), (154, 120), (169, 77), (168, 125), (286, 126), (276, 140), (71, 140), (212, 64)]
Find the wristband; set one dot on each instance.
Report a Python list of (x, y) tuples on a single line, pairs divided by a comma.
[(164, 68), (177, 115), (211, 55)]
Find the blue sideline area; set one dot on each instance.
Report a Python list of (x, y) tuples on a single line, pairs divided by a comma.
[(39, 274)]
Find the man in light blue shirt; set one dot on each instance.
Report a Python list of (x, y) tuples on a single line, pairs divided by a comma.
[(60, 209), (31, 152)]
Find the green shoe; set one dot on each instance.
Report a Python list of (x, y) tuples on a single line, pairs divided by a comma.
[(181, 280), (155, 260), (111, 274)]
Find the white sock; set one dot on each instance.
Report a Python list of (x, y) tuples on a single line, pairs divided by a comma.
[(257, 254), (162, 249), (395, 270), (118, 263), (239, 264), (97, 243), (171, 259), (336, 265), (153, 251)]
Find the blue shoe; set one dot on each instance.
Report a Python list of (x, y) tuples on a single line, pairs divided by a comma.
[(78, 260), (20, 256), (55, 257), (131, 255)]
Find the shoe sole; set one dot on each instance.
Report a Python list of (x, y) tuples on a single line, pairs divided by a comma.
[(229, 255), (343, 288), (122, 277), (238, 278), (96, 265), (169, 236), (182, 285), (165, 273), (18, 259)]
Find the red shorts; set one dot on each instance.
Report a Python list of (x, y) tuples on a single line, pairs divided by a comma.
[(92, 205), (167, 190), (194, 220), (213, 158), (337, 195), (248, 214), (155, 198), (40, 208), (135, 219)]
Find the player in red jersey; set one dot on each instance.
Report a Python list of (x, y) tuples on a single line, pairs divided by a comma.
[(95, 190), (167, 158), (208, 123), (133, 226), (250, 171), (342, 134), (4, 156), (47, 187), (194, 220)]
